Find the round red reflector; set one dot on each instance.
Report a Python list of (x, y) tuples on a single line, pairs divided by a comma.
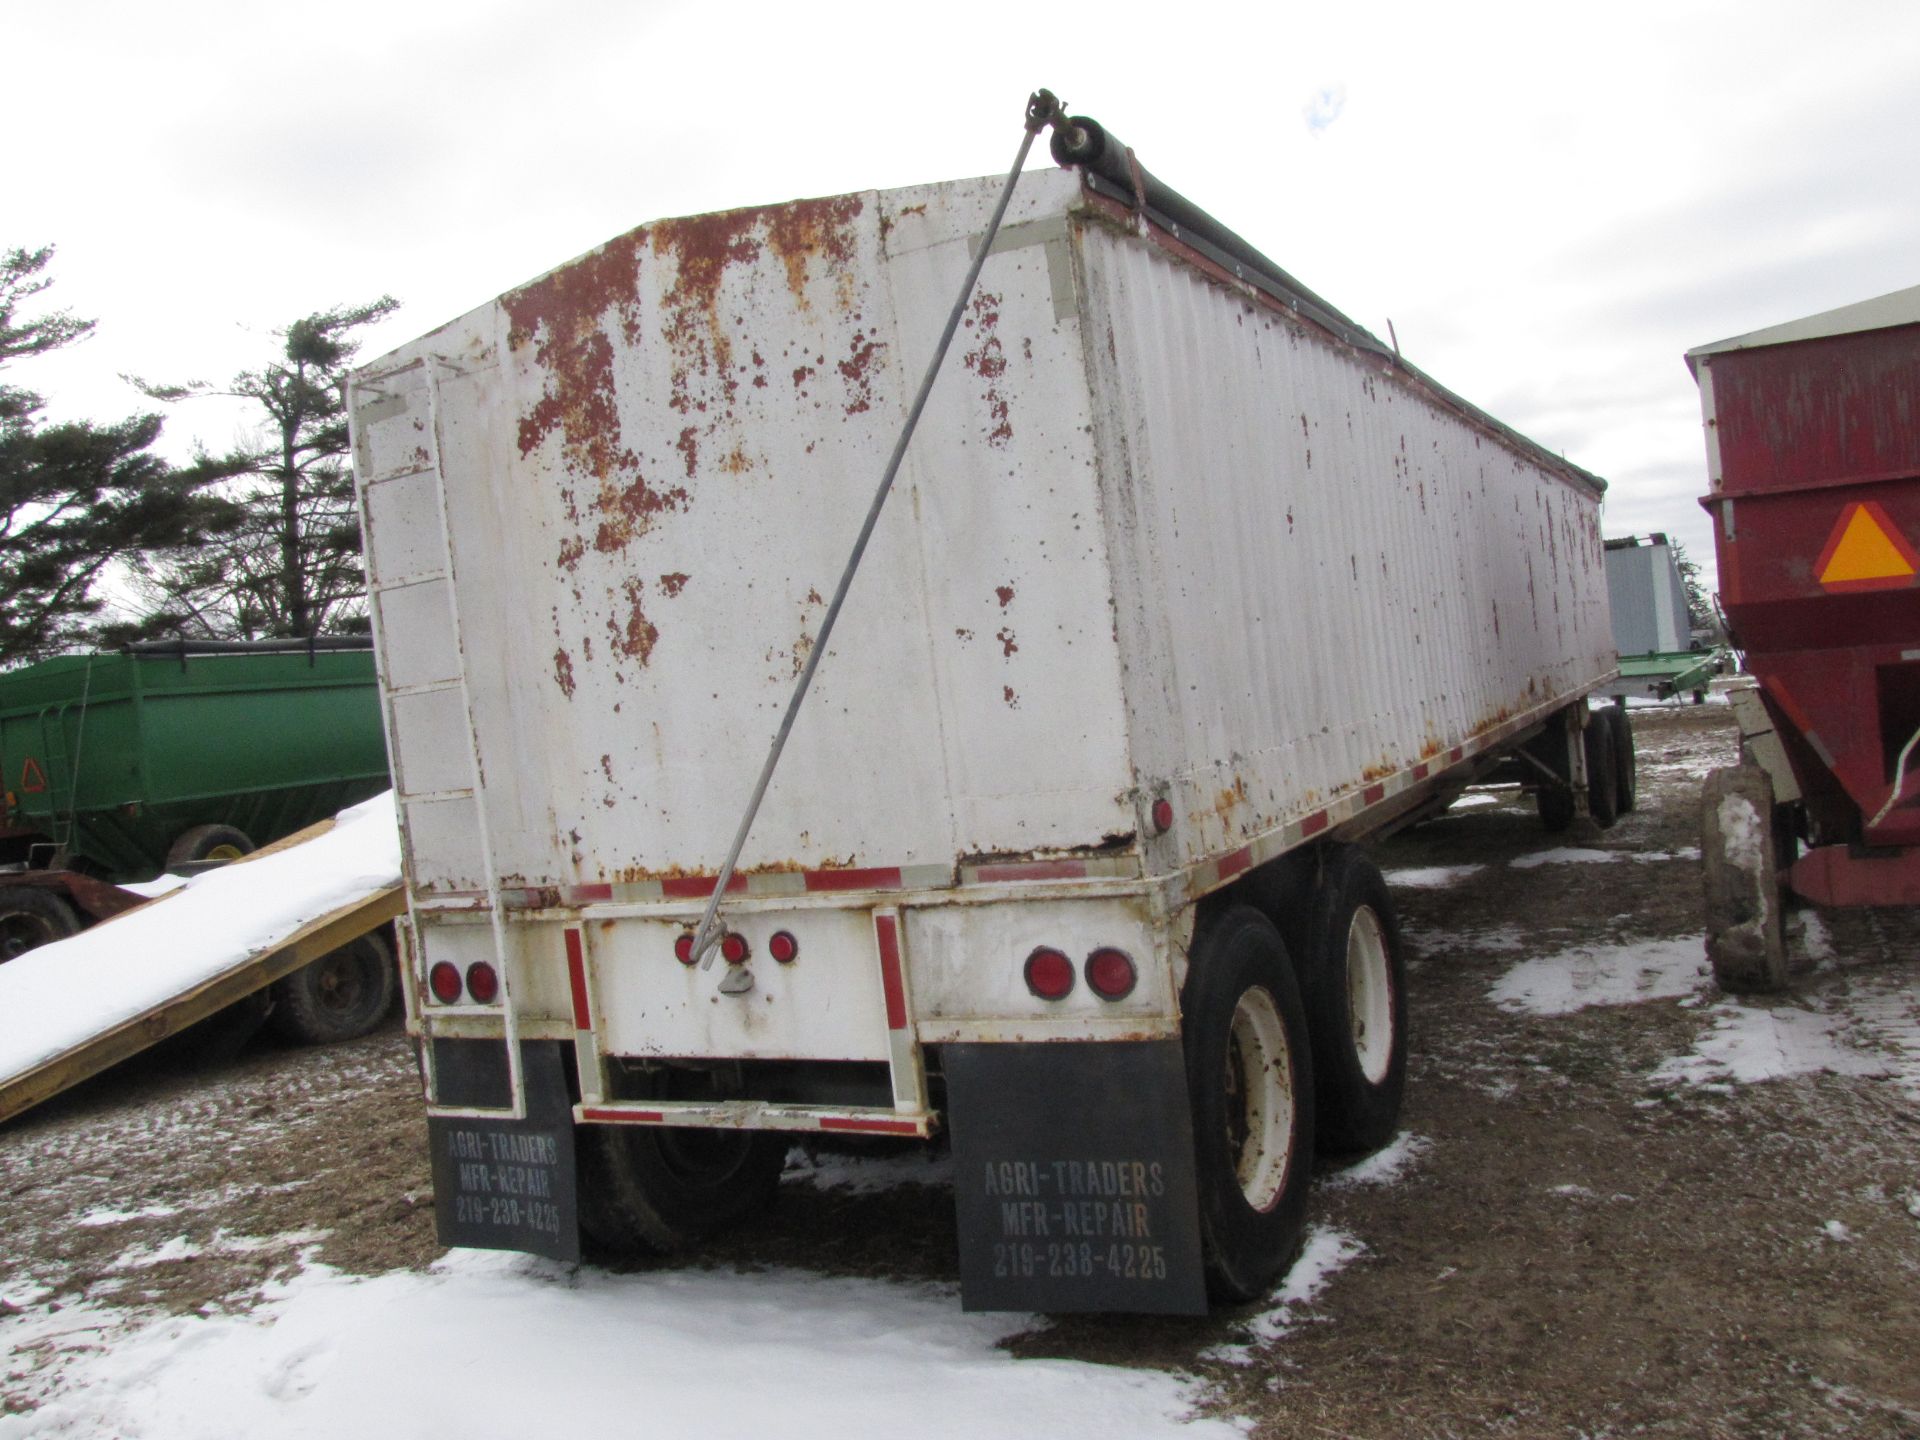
[(1111, 974), (783, 947), (683, 948), (1049, 973), (483, 982), (444, 980), (734, 948), (1162, 816)]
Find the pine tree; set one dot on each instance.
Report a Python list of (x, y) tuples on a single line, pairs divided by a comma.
[(75, 497), (292, 566)]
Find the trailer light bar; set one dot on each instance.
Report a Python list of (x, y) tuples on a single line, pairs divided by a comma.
[(444, 980), (1111, 973), (1049, 973), (783, 947), (483, 982)]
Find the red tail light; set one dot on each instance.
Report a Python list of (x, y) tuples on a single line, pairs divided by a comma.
[(1049, 973), (683, 948), (783, 947), (1111, 973), (734, 948), (483, 982), (444, 980), (1162, 816)]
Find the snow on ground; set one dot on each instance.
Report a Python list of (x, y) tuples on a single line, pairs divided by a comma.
[(1386, 1166), (1327, 1251), (58, 996), (1749, 1043), (1577, 855), (866, 1175), (1624, 974), (486, 1345), (1431, 877)]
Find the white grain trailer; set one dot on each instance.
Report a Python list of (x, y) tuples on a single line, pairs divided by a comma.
[(1187, 585)]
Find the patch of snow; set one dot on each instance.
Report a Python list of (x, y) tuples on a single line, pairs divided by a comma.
[(1431, 877), (58, 996), (1815, 939), (1475, 801), (1835, 1230), (1625, 974), (1326, 1252), (1751, 1043), (1576, 1192), (1564, 855), (866, 1175), (1385, 1166), (105, 1216), (489, 1344), (159, 885)]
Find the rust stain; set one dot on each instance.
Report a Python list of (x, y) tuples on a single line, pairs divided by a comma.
[(989, 362), (1007, 694), (1005, 594), (963, 634), (637, 637), (1005, 636), (860, 352), (563, 671), (672, 585), (801, 374), (606, 766), (570, 552), (736, 462), (813, 597), (689, 447)]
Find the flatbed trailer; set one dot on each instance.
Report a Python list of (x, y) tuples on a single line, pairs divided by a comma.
[(1189, 584)]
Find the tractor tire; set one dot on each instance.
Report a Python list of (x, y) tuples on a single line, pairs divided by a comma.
[(31, 916)]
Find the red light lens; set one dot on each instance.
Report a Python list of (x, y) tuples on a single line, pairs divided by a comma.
[(1111, 973), (1162, 816), (734, 948), (1049, 973), (683, 948), (783, 947), (483, 982), (444, 980)]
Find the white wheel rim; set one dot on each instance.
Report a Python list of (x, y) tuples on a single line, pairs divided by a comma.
[(1369, 995), (1259, 1098)]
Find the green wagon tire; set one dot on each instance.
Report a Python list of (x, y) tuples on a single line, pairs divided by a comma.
[(209, 842)]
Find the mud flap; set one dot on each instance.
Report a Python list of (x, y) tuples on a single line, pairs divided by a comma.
[(509, 1184), (1073, 1177)]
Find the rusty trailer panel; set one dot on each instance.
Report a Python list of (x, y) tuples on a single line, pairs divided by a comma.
[(1159, 539)]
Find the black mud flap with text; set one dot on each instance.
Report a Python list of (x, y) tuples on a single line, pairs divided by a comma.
[(1073, 1177), (509, 1184)]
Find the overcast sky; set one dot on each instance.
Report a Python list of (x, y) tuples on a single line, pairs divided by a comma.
[(1551, 203)]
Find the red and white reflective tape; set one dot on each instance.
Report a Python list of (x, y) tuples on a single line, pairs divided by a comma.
[(755, 1115)]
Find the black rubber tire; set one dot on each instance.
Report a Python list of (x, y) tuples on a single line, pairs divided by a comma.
[(1352, 963), (1626, 776), (1555, 803), (31, 916), (209, 842), (648, 1190), (1603, 783), (341, 996), (1251, 1228)]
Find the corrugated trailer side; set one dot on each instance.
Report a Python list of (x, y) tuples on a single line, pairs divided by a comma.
[(1179, 593), (1327, 574)]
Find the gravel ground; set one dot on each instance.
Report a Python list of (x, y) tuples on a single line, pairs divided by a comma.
[(1621, 1204)]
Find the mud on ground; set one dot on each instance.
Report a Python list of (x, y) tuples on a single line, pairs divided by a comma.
[(1591, 1226)]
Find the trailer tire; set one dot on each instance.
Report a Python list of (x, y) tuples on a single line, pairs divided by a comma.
[(1625, 763), (1354, 985), (1250, 1084), (1739, 868), (340, 996), (1603, 781), (647, 1190), (1555, 803), (209, 842), (31, 916)]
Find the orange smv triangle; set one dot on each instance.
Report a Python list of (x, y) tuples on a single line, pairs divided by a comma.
[(33, 780), (1867, 552)]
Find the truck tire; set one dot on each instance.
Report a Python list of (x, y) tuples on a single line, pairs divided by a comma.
[(31, 916), (1739, 867), (209, 842), (1625, 767), (1354, 985), (1555, 803), (1250, 1083), (341, 996), (647, 1190), (1603, 780)]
